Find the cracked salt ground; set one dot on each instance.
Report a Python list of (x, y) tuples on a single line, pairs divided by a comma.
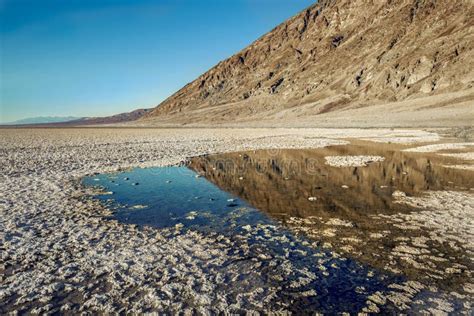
[(58, 254)]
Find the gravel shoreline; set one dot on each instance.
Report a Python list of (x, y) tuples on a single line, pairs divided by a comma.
[(60, 254)]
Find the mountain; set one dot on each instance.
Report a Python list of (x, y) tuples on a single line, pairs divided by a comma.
[(340, 57), (114, 119), (43, 120), (85, 121)]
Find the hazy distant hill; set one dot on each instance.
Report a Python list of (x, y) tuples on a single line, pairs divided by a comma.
[(340, 55), (84, 121), (43, 120), (114, 119)]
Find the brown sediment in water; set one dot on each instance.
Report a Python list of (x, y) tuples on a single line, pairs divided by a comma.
[(376, 214)]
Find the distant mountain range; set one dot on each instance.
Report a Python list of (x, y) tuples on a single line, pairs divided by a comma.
[(114, 119), (57, 121), (43, 120)]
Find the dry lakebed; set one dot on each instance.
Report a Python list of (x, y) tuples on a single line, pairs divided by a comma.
[(135, 220)]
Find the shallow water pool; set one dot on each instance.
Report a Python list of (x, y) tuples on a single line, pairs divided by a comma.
[(309, 278), (318, 233)]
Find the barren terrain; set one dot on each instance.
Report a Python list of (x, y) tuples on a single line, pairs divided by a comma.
[(60, 253), (345, 63)]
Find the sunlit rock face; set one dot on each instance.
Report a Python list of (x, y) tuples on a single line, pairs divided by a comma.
[(336, 56)]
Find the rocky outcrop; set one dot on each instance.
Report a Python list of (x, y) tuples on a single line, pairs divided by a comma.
[(348, 51)]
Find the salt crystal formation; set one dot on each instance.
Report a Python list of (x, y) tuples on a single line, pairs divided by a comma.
[(351, 161), (60, 254)]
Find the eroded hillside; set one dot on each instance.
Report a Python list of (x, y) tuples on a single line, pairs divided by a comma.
[(339, 55)]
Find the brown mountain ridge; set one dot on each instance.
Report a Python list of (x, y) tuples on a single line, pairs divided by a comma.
[(340, 55)]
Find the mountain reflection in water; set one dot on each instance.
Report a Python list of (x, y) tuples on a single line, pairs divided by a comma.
[(344, 208)]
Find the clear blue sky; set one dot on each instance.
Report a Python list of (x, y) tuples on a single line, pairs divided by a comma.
[(93, 58)]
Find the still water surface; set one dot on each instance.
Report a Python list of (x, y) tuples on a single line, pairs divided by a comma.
[(262, 195)]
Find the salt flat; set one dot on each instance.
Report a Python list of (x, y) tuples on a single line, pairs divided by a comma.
[(59, 253)]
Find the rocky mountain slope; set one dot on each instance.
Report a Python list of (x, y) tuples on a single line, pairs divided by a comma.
[(339, 55)]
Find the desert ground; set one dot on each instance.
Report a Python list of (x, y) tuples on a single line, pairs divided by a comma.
[(59, 252)]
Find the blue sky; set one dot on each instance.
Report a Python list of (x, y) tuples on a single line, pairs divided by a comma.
[(93, 58)]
